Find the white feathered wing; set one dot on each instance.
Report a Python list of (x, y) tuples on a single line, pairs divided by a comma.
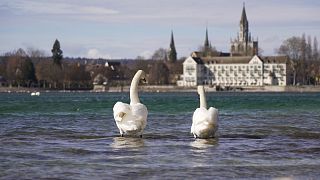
[(204, 122), (130, 119)]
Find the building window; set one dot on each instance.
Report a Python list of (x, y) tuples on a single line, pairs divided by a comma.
[(190, 69)]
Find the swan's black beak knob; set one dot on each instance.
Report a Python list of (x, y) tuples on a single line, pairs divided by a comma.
[(143, 80)]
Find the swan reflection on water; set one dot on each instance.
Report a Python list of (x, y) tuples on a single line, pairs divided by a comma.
[(127, 142), (203, 144)]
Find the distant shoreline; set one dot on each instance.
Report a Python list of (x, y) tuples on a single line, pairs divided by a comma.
[(171, 88)]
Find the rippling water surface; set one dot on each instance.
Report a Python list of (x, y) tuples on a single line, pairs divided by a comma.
[(74, 136)]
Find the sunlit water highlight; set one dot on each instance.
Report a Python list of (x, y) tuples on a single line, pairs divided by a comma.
[(74, 136)]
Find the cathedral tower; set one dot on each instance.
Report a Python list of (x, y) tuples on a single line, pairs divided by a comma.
[(243, 45), (244, 27)]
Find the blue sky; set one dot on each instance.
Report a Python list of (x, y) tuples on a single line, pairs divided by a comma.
[(129, 28)]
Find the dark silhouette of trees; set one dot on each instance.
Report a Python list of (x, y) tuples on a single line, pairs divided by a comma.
[(76, 76), (57, 53), (159, 73), (3, 64), (160, 54), (315, 51), (175, 70), (56, 76), (42, 72), (28, 72), (141, 64), (19, 69)]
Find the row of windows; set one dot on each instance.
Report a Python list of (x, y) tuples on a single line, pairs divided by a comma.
[(190, 79), (235, 67), (233, 78), (231, 67), (274, 66), (190, 68), (240, 84), (236, 72)]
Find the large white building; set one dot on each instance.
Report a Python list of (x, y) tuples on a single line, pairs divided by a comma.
[(234, 71), (241, 67)]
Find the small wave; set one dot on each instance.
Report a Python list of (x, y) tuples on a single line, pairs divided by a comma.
[(78, 151), (305, 135), (242, 136), (312, 150)]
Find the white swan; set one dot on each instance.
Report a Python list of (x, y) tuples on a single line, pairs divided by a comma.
[(35, 93), (204, 121), (131, 119)]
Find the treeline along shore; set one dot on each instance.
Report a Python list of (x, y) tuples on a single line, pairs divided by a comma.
[(171, 88), (31, 69)]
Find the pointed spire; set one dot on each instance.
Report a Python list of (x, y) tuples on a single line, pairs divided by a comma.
[(172, 40), (243, 15), (206, 41), (172, 55)]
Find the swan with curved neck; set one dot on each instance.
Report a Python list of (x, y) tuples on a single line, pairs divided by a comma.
[(134, 98), (204, 121), (131, 119)]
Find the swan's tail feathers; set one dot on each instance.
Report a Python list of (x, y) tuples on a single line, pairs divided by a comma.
[(119, 116), (120, 110)]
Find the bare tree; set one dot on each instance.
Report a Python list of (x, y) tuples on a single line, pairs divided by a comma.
[(35, 53), (76, 76), (160, 54), (292, 47), (43, 72), (159, 73), (315, 50), (19, 69)]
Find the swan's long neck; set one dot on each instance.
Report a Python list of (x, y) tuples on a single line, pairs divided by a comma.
[(203, 102), (134, 98)]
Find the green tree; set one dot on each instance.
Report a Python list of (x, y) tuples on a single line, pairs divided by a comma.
[(28, 72), (57, 53)]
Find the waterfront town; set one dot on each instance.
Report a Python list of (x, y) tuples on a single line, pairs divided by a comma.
[(163, 89), (296, 63)]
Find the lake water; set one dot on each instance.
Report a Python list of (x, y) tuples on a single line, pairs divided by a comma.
[(74, 136)]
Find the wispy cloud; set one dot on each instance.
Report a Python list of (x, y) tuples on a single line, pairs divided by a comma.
[(192, 12), (128, 28), (55, 8)]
